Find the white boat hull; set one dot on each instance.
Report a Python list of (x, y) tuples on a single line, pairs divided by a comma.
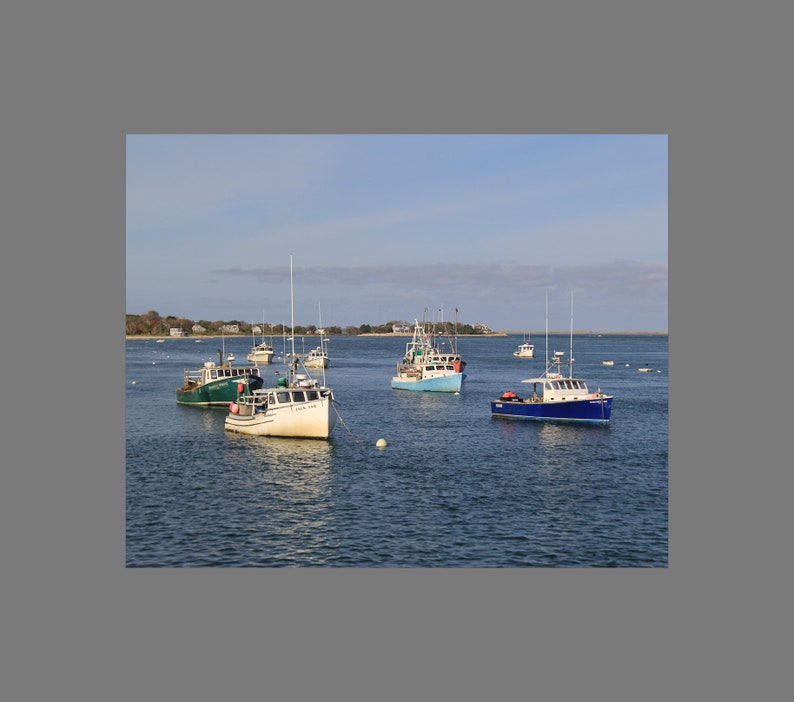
[(309, 420)]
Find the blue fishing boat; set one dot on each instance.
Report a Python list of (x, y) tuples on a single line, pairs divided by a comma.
[(555, 396)]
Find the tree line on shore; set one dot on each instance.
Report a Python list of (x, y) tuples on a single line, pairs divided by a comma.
[(153, 324)]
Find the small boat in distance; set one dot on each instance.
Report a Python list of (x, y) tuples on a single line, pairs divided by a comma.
[(525, 350), (230, 357), (608, 363), (261, 353), (318, 357), (554, 396), (216, 384)]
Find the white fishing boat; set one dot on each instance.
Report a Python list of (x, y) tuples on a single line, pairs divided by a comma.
[(525, 350), (608, 363), (318, 357), (261, 353), (298, 406)]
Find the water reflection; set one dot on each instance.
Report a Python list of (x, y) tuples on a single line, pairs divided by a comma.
[(290, 495), (561, 435), (207, 419), (295, 469)]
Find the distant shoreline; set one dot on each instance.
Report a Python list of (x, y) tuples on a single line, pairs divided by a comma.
[(536, 334)]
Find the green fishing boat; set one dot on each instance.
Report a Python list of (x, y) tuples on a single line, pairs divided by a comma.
[(217, 384)]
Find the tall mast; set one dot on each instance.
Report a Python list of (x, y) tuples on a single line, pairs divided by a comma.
[(292, 305), (570, 355), (547, 329)]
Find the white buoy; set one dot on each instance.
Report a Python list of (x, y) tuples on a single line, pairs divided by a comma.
[(380, 443), (132, 383)]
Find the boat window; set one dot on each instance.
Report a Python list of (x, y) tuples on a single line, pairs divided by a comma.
[(298, 396), (311, 394), (271, 398), (213, 374), (283, 396), (548, 385)]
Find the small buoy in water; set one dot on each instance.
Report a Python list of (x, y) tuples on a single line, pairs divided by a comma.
[(381, 443), (132, 383)]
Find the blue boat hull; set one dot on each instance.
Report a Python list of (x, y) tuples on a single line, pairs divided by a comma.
[(447, 383), (597, 410)]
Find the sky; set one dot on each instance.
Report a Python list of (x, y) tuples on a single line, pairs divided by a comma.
[(381, 227)]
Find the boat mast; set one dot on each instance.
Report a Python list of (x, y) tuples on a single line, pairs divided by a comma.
[(570, 362), (547, 330), (322, 344), (292, 309)]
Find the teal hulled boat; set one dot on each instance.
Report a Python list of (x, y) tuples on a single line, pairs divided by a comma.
[(217, 384)]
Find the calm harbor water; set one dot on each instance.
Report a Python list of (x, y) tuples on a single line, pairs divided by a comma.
[(453, 488)]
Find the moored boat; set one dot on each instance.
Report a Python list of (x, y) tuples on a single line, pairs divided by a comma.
[(216, 384), (317, 357), (525, 350), (297, 406), (556, 397), (261, 353), (426, 368), (608, 363)]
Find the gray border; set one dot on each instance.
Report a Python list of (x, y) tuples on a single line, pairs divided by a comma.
[(77, 623)]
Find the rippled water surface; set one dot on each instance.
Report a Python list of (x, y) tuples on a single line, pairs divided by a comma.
[(454, 487)]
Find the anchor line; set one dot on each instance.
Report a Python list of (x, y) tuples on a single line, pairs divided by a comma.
[(333, 404)]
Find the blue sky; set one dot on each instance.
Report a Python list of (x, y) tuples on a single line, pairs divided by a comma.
[(383, 226)]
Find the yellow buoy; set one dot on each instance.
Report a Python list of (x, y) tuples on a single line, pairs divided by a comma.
[(381, 443)]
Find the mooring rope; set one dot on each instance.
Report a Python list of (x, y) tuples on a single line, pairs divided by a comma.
[(333, 404)]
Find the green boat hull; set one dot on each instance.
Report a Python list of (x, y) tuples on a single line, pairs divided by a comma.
[(218, 392)]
